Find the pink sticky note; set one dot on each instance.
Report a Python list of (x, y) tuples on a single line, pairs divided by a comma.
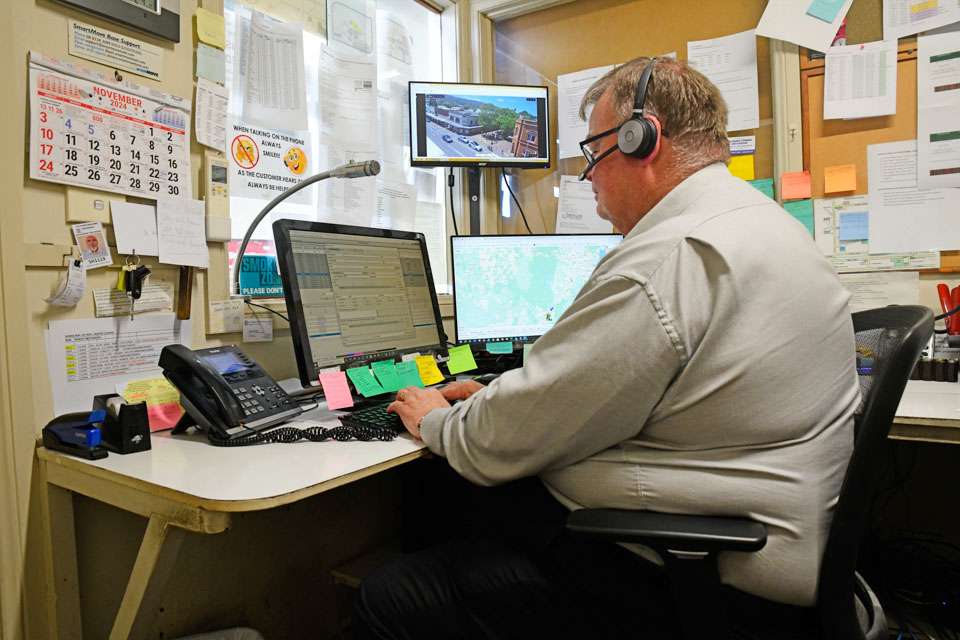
[(795, 186), (335, 389), (164, 415)]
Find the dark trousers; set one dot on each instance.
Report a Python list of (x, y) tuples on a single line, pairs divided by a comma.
[(513, 572)]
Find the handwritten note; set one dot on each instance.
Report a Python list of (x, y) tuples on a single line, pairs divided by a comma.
[(386, 372), (335, 390), (363, 380), (795, 186), (182, 232), (162, 398), (429, 372), (461, 359), (210, 28), (409, 374)]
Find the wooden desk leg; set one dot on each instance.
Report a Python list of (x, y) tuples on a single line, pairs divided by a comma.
[(64, 584), (158, 530)]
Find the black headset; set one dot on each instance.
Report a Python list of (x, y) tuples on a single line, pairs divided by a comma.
[(637, 136)]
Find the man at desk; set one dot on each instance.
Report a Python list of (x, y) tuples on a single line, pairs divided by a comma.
[(706, 367)]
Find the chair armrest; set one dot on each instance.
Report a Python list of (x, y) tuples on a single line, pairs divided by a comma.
[(679, 532)]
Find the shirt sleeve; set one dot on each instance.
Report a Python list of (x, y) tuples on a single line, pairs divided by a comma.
[(588, 384)]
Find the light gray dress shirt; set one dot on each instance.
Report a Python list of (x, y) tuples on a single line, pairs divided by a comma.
[(707, 367)]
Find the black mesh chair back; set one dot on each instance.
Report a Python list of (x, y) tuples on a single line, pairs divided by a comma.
[(889, 343)]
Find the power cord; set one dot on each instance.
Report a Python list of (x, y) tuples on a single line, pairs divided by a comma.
[(453, 214), (944, 316), (260, 306), (503, 173)]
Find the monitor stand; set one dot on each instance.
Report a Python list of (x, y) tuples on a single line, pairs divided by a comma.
[(473, 191)]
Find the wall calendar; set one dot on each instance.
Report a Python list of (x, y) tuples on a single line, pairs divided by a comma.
[(89, 131)]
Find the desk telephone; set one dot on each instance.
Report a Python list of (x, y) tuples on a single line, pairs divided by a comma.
[(224, 392)]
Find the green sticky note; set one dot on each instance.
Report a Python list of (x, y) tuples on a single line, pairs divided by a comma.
[(506, 346), (386, 372), (363, 380), (409, 374), (825, 10), (764, 186), (526, 349), (461, 359), (802, 210)]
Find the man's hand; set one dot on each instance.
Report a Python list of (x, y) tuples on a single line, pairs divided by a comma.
[(461, 390), (413, 403)]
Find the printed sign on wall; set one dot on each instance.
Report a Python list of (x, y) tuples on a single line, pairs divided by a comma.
[(265, 163)]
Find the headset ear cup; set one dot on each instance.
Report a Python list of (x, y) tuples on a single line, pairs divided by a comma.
[(637, 137)]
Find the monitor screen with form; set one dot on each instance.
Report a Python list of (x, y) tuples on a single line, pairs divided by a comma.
[(355, 294), (516, 287)]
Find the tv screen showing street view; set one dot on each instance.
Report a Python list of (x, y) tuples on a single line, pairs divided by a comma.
[(479, 124)]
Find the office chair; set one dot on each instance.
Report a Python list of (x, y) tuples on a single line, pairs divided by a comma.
[(889, 341)]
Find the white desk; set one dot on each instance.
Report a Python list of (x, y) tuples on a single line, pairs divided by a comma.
[(185, 484), (928, 412)]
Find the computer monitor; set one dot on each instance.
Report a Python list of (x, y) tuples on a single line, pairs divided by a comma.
[(355, 294), (516, 287), (480, 125)]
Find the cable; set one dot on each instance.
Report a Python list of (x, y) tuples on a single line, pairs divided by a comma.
[(453, 214), (507, 182), (277, 313)]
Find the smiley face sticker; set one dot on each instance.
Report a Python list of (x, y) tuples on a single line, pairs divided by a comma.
[(295, 159)]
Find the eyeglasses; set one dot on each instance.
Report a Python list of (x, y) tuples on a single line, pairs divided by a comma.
[(588, 153)]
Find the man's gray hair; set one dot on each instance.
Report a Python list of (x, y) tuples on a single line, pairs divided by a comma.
[(690, 108)]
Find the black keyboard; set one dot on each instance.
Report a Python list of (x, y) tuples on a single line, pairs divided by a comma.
[(375, 416)]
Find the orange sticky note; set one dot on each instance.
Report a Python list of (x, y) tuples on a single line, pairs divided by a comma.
[(841, 177), (335, 390), (795, 186)]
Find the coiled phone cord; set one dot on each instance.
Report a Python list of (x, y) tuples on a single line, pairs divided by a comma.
[(314, 434)]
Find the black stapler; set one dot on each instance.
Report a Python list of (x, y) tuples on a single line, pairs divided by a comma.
[(77, 434)]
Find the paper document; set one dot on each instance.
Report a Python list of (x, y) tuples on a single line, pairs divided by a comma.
[(873, 290), (907, 17), (162, 398), (938, 103), (135, 226), (904, 218), (88, 357), (791, 21), (211, 114), (153, 297), (276, 94), (571, 88), (225, 316), (211, 64), (577, 208), (396, 206), (842, 232), (71, 286), (730, 63), (182, 232), (258, 328), (430, 221), (861, 80)]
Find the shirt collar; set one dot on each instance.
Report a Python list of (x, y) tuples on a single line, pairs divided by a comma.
[(680, 197)]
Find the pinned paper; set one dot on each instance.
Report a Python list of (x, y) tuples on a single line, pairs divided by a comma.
[(363, 380), (825, 10), (526, 349), (210, 28), (162, 398), (409, 374), (505, 346), (335, 390), (93, 245), (428, 370), (225, 316), (461, 359), (742, 166), (211, 64), (742, 145), (841, 177), (71, 286), (257, 329), (802, 210), (386, 372), (764, 186), (795, 186)]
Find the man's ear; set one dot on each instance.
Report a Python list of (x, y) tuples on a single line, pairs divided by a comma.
[(656, 149)]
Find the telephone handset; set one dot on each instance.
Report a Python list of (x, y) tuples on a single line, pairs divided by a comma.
[(224, 392)]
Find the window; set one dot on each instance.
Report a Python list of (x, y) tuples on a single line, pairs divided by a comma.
[(356, 95)]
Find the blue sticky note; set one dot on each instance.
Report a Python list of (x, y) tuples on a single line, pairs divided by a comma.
[(825, 10), (505, 346), (764, 186), (854, 226), (802, 210)]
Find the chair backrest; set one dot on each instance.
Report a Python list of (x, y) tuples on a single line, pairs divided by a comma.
[(889, 343)]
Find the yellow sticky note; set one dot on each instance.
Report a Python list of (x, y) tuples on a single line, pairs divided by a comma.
[(210, 28), (428, 370), (742, 166), (162, 398), (841, 177)]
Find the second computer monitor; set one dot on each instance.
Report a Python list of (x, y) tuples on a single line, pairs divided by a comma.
[(516, 287)]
